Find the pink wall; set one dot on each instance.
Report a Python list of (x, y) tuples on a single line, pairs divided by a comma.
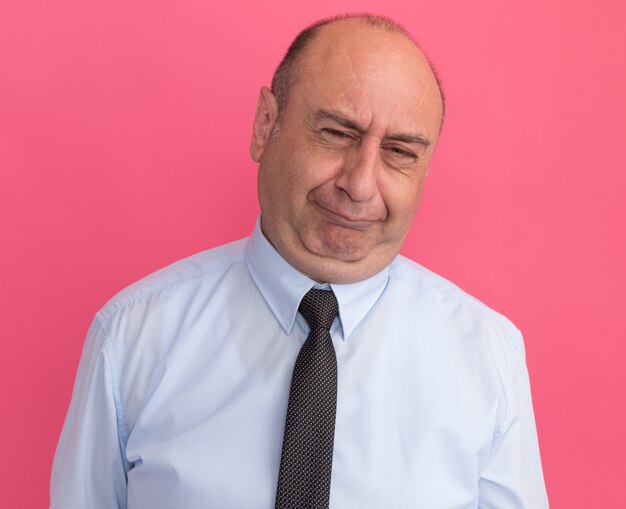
[(124, 128)]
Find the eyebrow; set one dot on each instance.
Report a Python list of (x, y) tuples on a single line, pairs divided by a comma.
[(338, 118)]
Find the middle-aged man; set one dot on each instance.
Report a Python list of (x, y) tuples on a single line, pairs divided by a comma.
[(228, 380)]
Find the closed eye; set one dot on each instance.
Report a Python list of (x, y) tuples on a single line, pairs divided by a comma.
[(336, 133), (400, 152)]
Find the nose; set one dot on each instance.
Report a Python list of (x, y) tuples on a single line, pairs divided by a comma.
[(360, 171)]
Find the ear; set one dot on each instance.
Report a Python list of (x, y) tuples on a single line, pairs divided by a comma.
[(264, 120)]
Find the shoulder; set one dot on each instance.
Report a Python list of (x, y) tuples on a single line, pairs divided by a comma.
[(417, 278), (179, 277), (464, 316)]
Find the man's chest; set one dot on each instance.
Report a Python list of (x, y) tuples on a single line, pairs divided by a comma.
[(408, 434)]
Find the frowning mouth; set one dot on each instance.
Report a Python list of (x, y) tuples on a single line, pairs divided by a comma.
[(345, 220)]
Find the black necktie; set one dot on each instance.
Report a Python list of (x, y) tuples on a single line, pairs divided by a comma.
[(307, 457)]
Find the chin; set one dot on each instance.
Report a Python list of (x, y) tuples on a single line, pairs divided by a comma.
[(337, 263), (339, 249), (345, 244)]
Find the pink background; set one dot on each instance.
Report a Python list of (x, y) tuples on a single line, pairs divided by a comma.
[(124, 130)]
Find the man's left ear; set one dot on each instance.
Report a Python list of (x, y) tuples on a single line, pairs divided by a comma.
[(264, 120)]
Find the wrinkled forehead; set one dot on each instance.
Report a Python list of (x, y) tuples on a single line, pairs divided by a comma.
[(374, 74)]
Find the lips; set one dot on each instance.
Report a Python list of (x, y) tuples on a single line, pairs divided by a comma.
[(345, 220)]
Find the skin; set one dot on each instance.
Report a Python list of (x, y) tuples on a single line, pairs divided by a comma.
[(340, 181)]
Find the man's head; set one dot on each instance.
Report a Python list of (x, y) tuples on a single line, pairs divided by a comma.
[(344, 145)]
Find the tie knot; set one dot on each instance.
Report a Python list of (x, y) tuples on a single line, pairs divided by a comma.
[(319, 308)]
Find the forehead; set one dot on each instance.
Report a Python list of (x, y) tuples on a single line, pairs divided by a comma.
[(377, 76)]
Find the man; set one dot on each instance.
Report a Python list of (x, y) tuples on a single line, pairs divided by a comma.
[(415, 395)]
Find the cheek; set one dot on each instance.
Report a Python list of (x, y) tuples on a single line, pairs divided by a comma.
[(278, 175), (311, 170), (402, 195)]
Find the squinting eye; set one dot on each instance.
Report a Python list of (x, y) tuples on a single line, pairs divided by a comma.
[(337, 134), (400, 152)]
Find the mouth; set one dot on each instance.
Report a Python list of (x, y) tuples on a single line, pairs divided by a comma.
[(345, 220)]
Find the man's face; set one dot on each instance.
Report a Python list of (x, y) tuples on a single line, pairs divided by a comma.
[(340, 182)]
